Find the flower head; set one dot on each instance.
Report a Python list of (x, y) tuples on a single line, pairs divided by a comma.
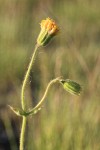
[(48, 30), (50, 26)]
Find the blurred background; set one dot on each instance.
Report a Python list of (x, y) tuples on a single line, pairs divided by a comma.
[(66, 122)]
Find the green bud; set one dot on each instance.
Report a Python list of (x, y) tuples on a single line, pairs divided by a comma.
[(71, 86)]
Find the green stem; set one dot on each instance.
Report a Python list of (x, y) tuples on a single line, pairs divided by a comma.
[(22, 135), (26, 78), (44, 96)]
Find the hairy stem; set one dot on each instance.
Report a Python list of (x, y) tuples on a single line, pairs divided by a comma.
[(22, 135), (45, 94), (26, 77)]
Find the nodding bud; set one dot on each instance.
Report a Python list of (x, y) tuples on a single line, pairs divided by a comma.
[(71, 86), (48, 30)]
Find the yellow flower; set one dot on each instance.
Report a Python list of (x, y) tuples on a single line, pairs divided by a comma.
[(48, 30)]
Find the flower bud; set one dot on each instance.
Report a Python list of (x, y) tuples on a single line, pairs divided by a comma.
[(48, 30), (71, 86)]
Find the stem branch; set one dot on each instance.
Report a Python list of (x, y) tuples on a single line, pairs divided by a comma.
[(45, 94)]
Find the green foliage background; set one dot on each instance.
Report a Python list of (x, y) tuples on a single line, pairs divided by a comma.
[(66, 122)]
